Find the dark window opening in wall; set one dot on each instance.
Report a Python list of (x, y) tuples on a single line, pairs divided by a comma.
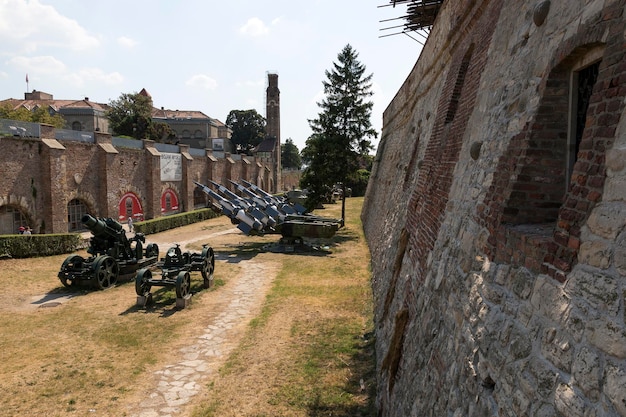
[(582, 86), (186, 134), (200, 199), (458, 86), (198, 134), (77, 126), (75, 212), (168, 202), (11, 219)]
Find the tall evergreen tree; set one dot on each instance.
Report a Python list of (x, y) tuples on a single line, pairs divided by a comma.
[(342, 130), (289, 155)]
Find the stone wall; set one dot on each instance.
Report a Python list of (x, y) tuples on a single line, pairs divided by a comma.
[(41, 175), (498, 241)]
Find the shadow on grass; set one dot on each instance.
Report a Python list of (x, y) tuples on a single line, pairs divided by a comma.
[(163, 300), (295, 246)]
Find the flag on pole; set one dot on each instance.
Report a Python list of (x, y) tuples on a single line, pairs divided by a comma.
[(26, 77)]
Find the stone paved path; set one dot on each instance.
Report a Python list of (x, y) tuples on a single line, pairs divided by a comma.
[(178, 382)]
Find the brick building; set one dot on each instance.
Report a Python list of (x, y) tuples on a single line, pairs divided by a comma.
[(496, 215), (191, 127)]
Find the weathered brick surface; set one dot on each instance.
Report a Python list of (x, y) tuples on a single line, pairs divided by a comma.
[(499, 289), (40, 176)]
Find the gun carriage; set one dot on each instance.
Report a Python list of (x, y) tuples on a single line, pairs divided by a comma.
[(175, 268), (112, 255), (257, 212)]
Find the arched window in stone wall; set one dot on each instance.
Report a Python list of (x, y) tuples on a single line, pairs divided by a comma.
[(584, 76), (186, 134), (198, 134), (76, 209), (77, 126), (169, 202), (130, 206), (538, 224), (11, 219), (458, 85), (546, 160)]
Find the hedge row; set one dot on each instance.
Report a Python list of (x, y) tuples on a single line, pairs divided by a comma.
[(173, 221), (28, 246)]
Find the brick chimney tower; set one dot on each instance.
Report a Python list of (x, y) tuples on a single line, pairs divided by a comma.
[(273, 126)]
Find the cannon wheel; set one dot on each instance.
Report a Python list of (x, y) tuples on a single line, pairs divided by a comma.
[(208, 266), (105, 271), (69, 263), (152, 250), (142, 282), (183, 284)]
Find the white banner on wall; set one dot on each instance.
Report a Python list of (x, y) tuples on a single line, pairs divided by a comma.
[(171, 167)]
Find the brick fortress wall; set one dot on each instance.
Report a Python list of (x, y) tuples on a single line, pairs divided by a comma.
[(41, 175), (500, 286)]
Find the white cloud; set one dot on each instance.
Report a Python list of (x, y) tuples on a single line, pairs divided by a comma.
[(38, 64), (126, 42), (202, 81), (26, 26), (254, 27), (96, 75)]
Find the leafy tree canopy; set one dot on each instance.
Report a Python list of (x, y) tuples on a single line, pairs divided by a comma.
[(248, 129), (38, 115), (289, 155), (342, 130), (131, 115)]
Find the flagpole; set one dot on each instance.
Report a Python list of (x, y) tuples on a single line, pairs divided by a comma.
[(27, 83)]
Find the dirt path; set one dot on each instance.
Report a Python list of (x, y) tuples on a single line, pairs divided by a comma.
[(176, 384)]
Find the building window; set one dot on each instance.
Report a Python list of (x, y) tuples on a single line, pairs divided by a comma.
[(11, 219), (75, 212), (77, 126), (581, 87)]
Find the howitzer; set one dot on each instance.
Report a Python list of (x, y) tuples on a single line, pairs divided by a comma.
[(113, 254), (286, 220)]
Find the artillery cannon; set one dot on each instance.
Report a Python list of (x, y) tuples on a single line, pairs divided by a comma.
[(112, 255), (259, 213), (175, 271)]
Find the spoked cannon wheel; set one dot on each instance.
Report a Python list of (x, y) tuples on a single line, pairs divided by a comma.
[(208, 266), (183, 285), (71, 263), (105, 271), (142, 282)]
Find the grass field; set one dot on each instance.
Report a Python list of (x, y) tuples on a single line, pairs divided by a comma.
[(309, 352)]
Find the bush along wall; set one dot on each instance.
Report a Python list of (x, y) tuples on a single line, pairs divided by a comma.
[(162, 224), (29, 246)]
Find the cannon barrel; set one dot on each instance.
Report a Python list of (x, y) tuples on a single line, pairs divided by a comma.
[(99, 227)]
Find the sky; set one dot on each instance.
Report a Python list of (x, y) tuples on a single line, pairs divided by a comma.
[(205, 55)]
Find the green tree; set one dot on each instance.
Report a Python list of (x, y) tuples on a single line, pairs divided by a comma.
[(248, 129), (38, 115), (341, 132), (131, 115), (289, 155)]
